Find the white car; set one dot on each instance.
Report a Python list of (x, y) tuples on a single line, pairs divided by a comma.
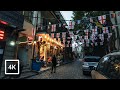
[(88, 63)]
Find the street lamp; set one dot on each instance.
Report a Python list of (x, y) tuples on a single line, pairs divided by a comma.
[(12, 43)]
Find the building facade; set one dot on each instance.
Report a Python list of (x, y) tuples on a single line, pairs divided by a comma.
[(11, 24)]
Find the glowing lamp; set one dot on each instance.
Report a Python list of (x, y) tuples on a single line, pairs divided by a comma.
[(12, 43)]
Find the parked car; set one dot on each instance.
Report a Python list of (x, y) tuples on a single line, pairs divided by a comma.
[(89, 62), (108, 67)]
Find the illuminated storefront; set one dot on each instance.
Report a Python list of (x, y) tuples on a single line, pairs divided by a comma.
[(48, 46)]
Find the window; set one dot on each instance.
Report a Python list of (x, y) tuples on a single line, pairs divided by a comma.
[(103, 65), (92, 59), (114, 67), (110, 66)]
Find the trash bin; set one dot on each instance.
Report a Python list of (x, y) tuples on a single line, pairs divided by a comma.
[(36, 65)]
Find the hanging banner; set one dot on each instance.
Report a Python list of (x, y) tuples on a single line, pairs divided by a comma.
[(70, 32), (105, 29), (91, 20), (63, 34), (82, 41), (87, 41), (68, 42), (59, 39), (102, 19), (85, 37), (53, 29), (101, 36), (75, 36), (86, 31), (113, 27), (94, 31), (52, 35), (68, 37), (64, 40), (33, 32), (71, 24), (57, 35), (60, 24), (92, 44), (67, 45)]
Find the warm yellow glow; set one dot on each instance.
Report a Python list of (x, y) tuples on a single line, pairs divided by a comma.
[(52, 40), (34, 42), (45, 36), (48, 38)]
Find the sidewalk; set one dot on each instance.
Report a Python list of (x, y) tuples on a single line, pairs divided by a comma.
[(26, 72)]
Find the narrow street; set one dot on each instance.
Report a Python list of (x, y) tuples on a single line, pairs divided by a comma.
[(68, 71)]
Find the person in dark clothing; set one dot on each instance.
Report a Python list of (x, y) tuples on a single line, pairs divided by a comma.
[(54, 63)]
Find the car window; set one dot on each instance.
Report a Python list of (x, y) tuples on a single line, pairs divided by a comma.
[(92, 59), (103, 65), (114, 67)]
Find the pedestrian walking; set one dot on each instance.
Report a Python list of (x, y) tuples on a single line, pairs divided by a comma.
[(54, 63)]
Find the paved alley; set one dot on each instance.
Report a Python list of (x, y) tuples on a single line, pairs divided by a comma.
[(68, 71)]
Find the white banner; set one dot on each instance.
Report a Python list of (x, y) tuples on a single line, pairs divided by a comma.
[(63, 34), (71, 24), (57, 35), (102, 19)]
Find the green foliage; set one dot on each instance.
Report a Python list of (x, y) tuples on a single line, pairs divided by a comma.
[(78, 15)]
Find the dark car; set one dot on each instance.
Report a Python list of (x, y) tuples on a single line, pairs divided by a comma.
[(88, 63), (108, 67)]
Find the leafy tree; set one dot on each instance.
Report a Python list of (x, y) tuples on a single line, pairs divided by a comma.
[(84, 17)]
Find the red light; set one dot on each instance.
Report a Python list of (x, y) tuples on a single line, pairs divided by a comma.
[(1, 34), (1, 37), (1, 31), (3, 22)]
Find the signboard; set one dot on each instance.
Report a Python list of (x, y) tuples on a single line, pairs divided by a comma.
[(1, 34)]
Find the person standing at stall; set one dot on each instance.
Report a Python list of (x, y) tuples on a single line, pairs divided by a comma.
[(54, 63)]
